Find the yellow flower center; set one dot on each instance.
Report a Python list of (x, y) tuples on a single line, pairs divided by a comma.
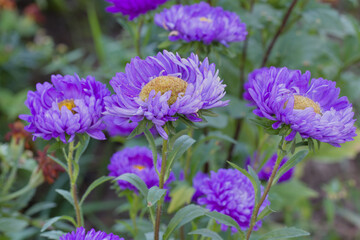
[(205, 19), (68, 103), (301, 103), (163, 84), (139, 167)]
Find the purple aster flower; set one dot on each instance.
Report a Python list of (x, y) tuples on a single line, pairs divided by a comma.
[(231, 193), (66, 106), (201, 22), (119, 126), (164, 87), (312, 109), (81, 234), (266, 170), (133, 8), (139, 161), (197, 184)]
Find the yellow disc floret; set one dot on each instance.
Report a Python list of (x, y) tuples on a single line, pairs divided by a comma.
[(301, 103), (139, 167), (164, 84), (68, 103)]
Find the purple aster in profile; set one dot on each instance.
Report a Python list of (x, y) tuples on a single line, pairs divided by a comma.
[(231, 193), (133, 8), (139, 161), (266, 169), (65, 107), (311, 108), (80, 234), (164, 87), (202, 22)]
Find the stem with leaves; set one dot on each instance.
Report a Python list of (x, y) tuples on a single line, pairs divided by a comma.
[(161, 186), (73, 189), (281, 154), (278, 32)]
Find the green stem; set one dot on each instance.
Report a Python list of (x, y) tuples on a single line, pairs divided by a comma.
[(16, 150), (95, 30), (69, 159), (188, 157), (140, 24), (161, 186), (281, 155)]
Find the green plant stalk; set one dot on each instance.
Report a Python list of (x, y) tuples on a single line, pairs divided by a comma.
[(35, 180), (161, 186), (95, 30), (188, 156), (137, 35), (15, 157), (281, 155), (73, 191)]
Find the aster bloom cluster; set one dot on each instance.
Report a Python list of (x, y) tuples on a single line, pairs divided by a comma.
[(81, 234), (202, 22), (133, 8), (65, 107), (139, 161), (267, 168), (312, 109), (230, 192), (162, 87)]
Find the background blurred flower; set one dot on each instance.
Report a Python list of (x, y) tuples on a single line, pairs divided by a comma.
[(133, 8), (162, 87), (49, 167), (68, 106), (312, 109), (230, 192), (80, 234), (197, 184), (18, 133), (266, 169), (201, 22), (139, 161)]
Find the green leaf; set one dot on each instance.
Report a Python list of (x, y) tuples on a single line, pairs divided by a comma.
[(253, 181), (206, 233), (56, 145), (207, 112), (150, 139), (38, 207), (181, 195), (257, 181), (298, 157), (284, 233), (183, 216), (223, 219), (82, 146), (154, 195), (9, 225), (93, 185), (58, 161), (138, 130), (264, 213), (51, 221), (66, 195), (52, 234), (136, 181), (176, 136), (182, 144)]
